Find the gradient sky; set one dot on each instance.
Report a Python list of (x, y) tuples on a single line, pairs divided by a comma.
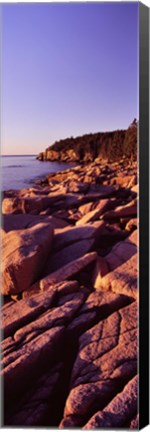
[(67, 69)]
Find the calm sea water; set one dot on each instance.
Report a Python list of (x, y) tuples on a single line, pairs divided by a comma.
[(18, 172)]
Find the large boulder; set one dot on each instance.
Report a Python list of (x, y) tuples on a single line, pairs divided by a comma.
[(24, 253)]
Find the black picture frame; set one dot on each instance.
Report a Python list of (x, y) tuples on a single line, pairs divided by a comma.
[(143, 215)]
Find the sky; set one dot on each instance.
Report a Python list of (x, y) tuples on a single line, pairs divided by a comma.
[(67, 69)]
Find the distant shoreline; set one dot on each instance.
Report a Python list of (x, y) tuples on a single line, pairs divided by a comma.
[(18, 155)]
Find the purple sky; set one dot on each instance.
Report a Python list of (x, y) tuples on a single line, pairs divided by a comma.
[(67, 69)]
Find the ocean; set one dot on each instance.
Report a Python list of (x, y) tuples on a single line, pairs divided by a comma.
[(18, 172)]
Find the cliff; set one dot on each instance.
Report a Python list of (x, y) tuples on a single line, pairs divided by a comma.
[(108, 145)]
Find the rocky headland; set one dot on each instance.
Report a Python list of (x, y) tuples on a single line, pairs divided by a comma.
[(69, 284), (86, 148)]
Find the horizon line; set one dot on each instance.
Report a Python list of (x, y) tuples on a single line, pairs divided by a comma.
[(24, 154)]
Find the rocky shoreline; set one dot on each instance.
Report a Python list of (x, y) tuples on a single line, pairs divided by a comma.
[(69, 315)]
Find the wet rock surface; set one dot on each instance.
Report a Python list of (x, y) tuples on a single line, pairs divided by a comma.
[(70, 299)]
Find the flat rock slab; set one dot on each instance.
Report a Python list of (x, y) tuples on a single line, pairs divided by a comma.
[(14, 315), (18, 205), (94, 214), (30, 205), (128, 210), (27, 363), (61, 315), (21, 312), (98, 305), (122, 251), (123, 280), (86, 208), (106, 361), (77, 187), (68, 254), (68, 271), (61, 288), (11, 222), (121, 409), (104, 191), (71, 235), (29, 348), (24, 253)]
